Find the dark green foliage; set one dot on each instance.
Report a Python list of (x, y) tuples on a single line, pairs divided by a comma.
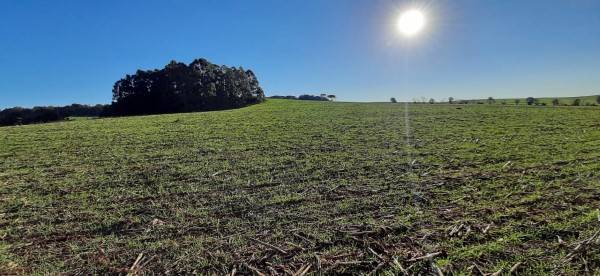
[(490, 100), (530, 100), (450, 100), (306, 97), (45, 114), (284, 97), (555, 102), (577, 102), (313, 98), (178, 87), (432, 101), (393, 100)]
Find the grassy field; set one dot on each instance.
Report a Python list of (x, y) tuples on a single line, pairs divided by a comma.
[(306, 187)]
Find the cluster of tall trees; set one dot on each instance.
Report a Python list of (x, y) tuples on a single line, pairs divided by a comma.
[(44, 114), (199, 86)]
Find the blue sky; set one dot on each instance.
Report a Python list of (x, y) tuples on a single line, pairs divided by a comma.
[(61, 52)]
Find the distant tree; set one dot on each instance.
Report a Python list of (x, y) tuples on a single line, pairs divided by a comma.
[(431, 101), (577, 102), (598, 99), (450, 100), (530, 100), (12, 116), (517, 101), (555, 102), (44, 114), (393, 100), (490, 100), (331, 97)]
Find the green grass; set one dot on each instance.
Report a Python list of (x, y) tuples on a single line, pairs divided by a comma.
[(335, 186), (78, 118)]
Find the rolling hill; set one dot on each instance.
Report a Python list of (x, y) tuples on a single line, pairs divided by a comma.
[(305, 187)]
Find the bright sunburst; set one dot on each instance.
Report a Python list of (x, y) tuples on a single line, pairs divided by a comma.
[(411, 22)]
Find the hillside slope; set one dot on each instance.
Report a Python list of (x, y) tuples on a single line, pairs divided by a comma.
[(292, 186)]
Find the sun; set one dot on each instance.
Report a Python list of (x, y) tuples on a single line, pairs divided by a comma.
[(411, 22)]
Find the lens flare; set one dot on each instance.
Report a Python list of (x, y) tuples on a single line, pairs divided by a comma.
[(411, 22)]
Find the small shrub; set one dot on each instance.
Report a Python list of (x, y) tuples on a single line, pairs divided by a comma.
[(530, 100)]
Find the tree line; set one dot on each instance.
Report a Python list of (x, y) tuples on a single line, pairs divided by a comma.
[(528, 101), (307, 97), (198, 86), (45, 114)]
